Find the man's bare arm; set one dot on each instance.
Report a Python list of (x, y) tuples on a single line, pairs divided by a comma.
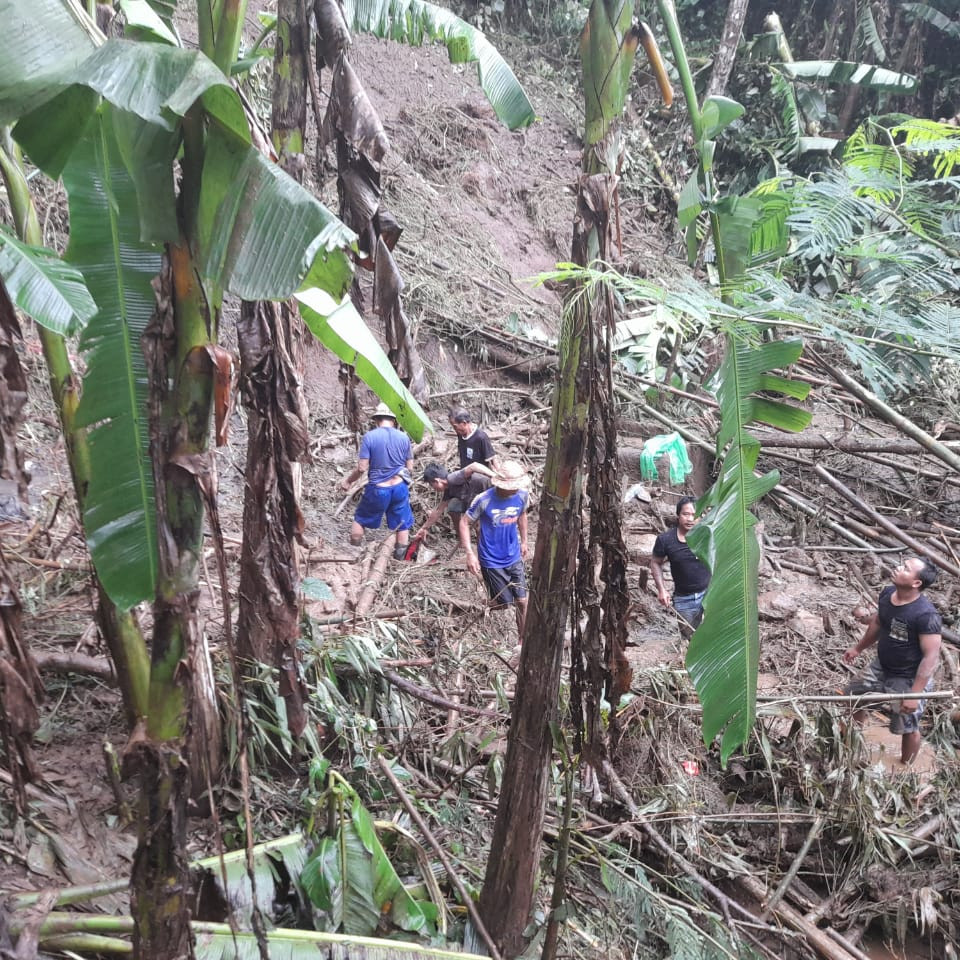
[(656, 568), (868, 639), (473, 562)]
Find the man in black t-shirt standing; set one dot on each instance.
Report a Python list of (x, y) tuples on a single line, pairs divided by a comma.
[(473, 445), (906, 629), (690, 577)]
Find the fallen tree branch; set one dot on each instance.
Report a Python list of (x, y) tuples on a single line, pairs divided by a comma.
[(794, 869), (75, 663), (436, 700), (893, 417), (882, 521), (727, 905), (438, 850), (831, 946)]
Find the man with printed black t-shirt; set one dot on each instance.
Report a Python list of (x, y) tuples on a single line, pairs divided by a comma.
[(473, 445), (690, 577), (906, 629)]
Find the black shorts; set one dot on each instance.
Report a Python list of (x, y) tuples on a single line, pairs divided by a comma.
[(505, 584)]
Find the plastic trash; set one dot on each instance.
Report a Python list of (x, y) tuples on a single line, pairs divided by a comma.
[(637, 492), (671, 446)]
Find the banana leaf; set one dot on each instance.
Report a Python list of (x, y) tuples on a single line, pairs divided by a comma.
[(858, 74), (27, 60), (119, 518), (350, 877), (44, 287), (214, 942), (277, 866), (414, 21), (341, 329), (724, 651), (143, 22), (156, 83), (260, 234)]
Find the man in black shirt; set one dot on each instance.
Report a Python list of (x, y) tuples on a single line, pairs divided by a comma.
[(690, 577), (906, 629), (473, 445), (458, 489)]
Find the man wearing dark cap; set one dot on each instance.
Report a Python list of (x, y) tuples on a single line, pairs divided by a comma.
[(458, 490), (386, 456), (473, 445)]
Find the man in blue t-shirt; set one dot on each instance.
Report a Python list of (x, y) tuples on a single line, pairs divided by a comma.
[(387, 457), (906, 629), (501, 513)]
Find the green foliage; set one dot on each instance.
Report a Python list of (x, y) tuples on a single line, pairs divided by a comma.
[(938, 141), (933, 16), (723, 654), (340, 328), (845, 72), (119, 515), (416, 21), (44, 287), (350, 878)]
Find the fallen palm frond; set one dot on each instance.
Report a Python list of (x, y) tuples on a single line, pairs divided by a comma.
[(216, 941)]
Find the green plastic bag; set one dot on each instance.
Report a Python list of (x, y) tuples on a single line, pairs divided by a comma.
[(671, 446)]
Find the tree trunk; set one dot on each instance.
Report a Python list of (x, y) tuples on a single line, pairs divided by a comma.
[(21, 690), (271, 370), (175, 348), (269, 619), (727, 51), (608, 46)]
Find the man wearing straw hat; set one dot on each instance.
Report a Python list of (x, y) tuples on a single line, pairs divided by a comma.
[(501, 515), (387, 457)]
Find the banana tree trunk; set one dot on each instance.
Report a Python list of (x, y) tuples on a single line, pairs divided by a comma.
[(271, 368), (175, 348), (608, 47), (269, 620)]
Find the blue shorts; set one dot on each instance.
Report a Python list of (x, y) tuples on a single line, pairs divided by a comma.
[(505, 585), (393, 501)]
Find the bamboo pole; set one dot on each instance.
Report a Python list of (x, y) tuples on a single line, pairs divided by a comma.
[(820, 940), (376, 575)]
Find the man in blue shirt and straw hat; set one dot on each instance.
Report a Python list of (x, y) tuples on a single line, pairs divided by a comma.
[(386, 456)]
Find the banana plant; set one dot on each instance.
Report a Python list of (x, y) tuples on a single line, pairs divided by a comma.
[(120, 115), (582, 426), (723, 654)]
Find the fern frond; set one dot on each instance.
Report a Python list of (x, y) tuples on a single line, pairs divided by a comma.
[(828, 215), (930, 138)]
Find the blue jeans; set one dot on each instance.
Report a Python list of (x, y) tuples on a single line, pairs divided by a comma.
[(690, 607)]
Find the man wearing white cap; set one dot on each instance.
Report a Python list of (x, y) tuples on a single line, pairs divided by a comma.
[(501, 513), (387, 457)]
